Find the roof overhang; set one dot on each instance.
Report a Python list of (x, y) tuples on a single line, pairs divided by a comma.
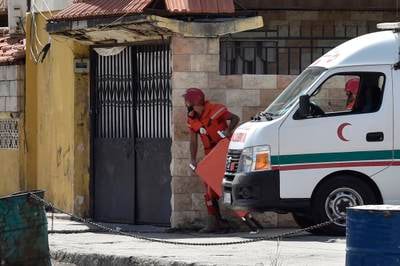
[(147, 27)]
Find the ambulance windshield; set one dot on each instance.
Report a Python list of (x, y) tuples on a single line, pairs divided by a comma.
[(292, 93)]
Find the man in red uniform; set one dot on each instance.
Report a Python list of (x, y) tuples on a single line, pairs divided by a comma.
[(351, 89), (210, 122)]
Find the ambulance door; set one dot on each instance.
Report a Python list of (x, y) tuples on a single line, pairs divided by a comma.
[(350, 127)]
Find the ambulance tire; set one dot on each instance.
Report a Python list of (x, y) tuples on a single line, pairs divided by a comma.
[(303, 219), (354, 187)]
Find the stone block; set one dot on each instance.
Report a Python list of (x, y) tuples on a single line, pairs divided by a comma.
[(183, 80), (213, 46), (304, 15), (12, 72), (206, 63), (181, 202), (186, 184), (12, 104), (238, 98), (181, 133), (21, 72), (198, 203), (259, 81), (3, 72), (333, 15), (187, 219), (286, 220), (180, 167), (179, 124), (295, 30), (181, 150), (267, 219), (272, 15), (2, 104), (177, 99), (217, 81), (217, 96), (181, 63), (364, 16), (284, 80), (4, 88), (13, 87), (237, 110), (268, 96), (183, 45)]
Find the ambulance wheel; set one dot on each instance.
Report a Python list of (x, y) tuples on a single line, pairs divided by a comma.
[(333, 197), (303, 219)]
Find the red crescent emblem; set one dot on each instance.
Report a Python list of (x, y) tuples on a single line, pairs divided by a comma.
[(340, 131)]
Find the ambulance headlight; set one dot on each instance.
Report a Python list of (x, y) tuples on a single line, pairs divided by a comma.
[(256, 158)]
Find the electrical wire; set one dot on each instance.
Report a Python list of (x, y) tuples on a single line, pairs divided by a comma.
[(48, 8), (115, 21), (36, 31), (38, 50), (38, 10)]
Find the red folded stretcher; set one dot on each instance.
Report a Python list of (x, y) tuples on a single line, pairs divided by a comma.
[(212, 168)]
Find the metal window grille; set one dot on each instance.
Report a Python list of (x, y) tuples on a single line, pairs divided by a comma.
[(9, 134), (285, 50), (132, 96)]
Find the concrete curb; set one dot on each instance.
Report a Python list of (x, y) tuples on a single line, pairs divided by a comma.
[(106, 260)]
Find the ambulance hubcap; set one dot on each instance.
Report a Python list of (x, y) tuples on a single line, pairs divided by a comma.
[(337, 202)]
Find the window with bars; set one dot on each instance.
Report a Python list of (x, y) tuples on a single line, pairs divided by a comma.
[(9, 134), (285, 50)]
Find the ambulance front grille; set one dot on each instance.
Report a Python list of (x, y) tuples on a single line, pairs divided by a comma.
[(232, 163)]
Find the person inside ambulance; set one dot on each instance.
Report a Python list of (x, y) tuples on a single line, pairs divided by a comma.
[(210, 122), (351, 89)]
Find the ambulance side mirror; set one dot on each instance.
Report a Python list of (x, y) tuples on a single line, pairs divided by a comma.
[(304, 107)]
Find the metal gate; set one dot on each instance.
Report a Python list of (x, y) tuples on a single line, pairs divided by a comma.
[(131, 144)]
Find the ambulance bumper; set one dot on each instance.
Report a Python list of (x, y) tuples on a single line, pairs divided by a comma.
[(259, 191)]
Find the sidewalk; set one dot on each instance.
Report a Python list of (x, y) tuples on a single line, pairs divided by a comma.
[(76, 243)]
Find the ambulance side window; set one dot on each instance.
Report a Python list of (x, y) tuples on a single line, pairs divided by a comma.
[(345, 93)]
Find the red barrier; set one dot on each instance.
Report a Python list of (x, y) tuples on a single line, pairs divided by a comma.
[(212, 168)]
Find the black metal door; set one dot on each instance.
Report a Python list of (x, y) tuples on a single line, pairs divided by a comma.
[(131, 108)]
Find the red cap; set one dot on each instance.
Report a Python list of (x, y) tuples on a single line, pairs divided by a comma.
[(194, 96), (352, 86)]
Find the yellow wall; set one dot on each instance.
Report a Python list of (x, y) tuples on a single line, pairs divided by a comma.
[(9, 172), (57, 124), (10, 168)]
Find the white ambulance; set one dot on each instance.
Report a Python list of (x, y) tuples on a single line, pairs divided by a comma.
[(331, 140)]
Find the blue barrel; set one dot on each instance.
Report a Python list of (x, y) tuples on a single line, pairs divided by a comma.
[(23, 231), (373, 235)]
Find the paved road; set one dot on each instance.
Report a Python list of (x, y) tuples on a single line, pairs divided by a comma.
[(91, 248)]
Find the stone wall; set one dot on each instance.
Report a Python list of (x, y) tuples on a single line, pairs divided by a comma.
[(196, 64), (12, 88), (365, 20)]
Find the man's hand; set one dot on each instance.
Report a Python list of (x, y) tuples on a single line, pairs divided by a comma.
[(228, 133), (234, 121), (193, 149), (193, 165)]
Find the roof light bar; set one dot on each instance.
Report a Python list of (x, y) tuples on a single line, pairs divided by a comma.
[(389, 26)]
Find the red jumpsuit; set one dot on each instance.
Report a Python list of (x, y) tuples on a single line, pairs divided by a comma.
[(212, 120)]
